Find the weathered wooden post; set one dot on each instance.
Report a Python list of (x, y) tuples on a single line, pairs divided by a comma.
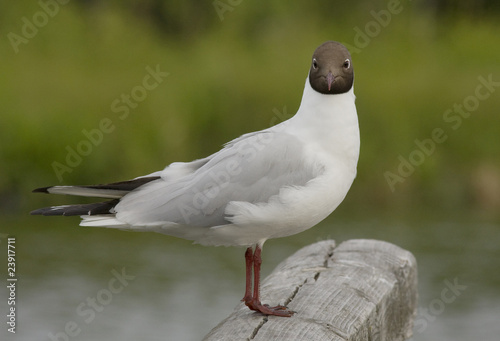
[(360, 290)]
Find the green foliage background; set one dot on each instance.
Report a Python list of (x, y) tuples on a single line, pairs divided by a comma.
[(228, 77)]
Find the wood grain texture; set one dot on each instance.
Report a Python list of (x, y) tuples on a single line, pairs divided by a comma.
[(360, 290)]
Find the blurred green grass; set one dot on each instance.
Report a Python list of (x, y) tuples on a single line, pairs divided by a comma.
[(227, 77)]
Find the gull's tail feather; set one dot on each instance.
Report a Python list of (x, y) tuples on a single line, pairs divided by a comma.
[(102, 221), (113, 191)]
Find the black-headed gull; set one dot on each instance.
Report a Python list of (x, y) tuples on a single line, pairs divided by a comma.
[(268, 184)]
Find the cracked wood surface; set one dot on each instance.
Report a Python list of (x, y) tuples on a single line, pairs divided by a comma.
[(360, 290)]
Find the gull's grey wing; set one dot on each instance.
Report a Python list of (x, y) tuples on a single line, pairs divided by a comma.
[(251, 168)]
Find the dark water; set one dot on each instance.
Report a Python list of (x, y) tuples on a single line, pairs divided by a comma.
[(97, 284)]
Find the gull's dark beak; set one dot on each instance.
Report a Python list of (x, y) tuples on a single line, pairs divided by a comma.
[(330, 79)]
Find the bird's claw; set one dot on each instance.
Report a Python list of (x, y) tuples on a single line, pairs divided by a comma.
[(265, 309)]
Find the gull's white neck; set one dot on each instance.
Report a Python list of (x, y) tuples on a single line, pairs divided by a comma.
[(330, 122)]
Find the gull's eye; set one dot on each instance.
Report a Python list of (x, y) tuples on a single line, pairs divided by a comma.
[(315, 64), (347, 64)]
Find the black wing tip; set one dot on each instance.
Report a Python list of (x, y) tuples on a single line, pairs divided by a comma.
[(43, 211), (36, 212), (55, 211), (127, 185), (41, 190), (78, 210)]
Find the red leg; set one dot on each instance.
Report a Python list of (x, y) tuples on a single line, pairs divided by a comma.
[(257, 261), (254, 302), (248, 284)]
